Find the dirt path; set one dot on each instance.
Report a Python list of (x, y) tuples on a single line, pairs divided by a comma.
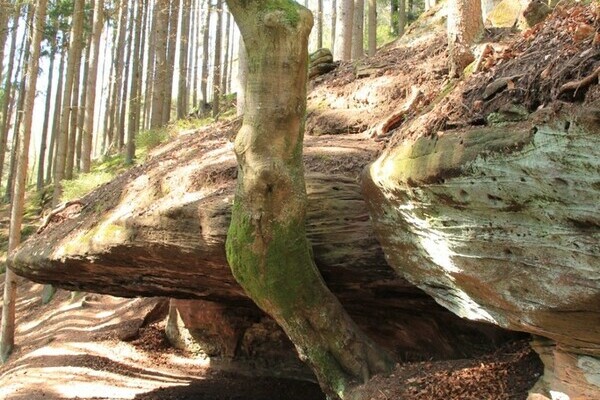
[(71, 349)]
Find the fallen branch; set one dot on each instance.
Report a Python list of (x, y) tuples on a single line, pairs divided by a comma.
[(385, 126), (56, 211), (574, 86)]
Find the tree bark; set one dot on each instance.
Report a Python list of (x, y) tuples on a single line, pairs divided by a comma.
[(5, 12), (216, 81), (401, 17), (63, 134), (205, 54), (465, 24), (358, 48), (333, 23), (134, 105), (372, 34), (118, 76), (343, 41), (182, 88), (319, 24), (7, 329), (150, 66), (242, 77), (160, 66), (57, 112), (8, 91), (225, 68), (88, 124), (46, 126), (74, 119), (267, 247), (172, 43)]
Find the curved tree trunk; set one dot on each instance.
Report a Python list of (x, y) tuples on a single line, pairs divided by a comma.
[(266, 244)]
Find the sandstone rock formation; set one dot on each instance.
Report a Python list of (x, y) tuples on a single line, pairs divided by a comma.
[(502, 224)]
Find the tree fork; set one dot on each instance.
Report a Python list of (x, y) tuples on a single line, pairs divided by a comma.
[(266, 243)]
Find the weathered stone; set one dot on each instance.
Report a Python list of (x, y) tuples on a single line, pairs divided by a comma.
[(500, 224), (159, 230)]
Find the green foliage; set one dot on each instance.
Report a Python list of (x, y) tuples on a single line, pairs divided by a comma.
[(289, 8), (146, 140), (84, 184)]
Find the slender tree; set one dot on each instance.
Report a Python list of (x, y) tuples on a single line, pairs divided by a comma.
[(401, 17), (117, 81), (7, 329), (182, 86), (92, 78), (150, 66), (333, 22), (242, 77), (372, 34), (8, 90), (194, 51), (319, 24), (52, 149), (5, 12), (216, 81), (358, 48), (134, 104), (125, 94), (83, 101), (266, 246), (205, 53), (225, 67), (171, 51), (160, 67), (63, 134), (74, 117), (45, 128)]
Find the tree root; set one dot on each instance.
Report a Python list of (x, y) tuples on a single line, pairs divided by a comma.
[(578, 87), (62, 207), (384, 127)]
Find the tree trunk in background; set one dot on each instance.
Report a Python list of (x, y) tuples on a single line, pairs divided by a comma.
[(393, 16), (45, 128), (358, 48), (216, 81), (242, 77), (7, 329), (150, 67), (267, 247), (319, 24), (343, 38), (160, 66), (74, 117), (109, 86), (129, 56), (8, 92), (119, 60), (225, 67), (57, 112), (401, 17), (63, 134), (5, 12), (194, 51), (182, 87), (134, 103), (333, 22), (83, 102), (172, 47), (465, 25), (24, 67), (205, 53), (372, 17), (232, 38), (92, 78)]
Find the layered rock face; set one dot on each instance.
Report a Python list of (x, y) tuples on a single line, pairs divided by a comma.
[(502, 224), (159, 230)]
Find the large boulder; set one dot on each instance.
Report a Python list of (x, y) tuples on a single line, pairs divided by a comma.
[(502, 224), (159, 230)]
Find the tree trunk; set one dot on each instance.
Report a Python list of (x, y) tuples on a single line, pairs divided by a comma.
[(83, 103), (182, 88), (343, 41), (88, 124), (242, 77), (465, 24), (401, 17), (319, 24), (134, 105), (216, 81), (5, 12), (63, 137), (57, 113), (393, 16), (333, 23), (70, 162), (225, 67), (266, 244), (8, 91), (119, 59), (109, 87), (173, 32), (120, 138), (7, 329), (160, 66), (46, 126), (20, 104), (150, 67), (372, 27), (205, 53), (358, 48)]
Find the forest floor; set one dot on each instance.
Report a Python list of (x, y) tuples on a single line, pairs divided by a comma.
[(95, 347)]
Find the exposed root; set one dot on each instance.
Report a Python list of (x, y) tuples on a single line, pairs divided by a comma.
[(384, 128), (579, 86), (62, 207)]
